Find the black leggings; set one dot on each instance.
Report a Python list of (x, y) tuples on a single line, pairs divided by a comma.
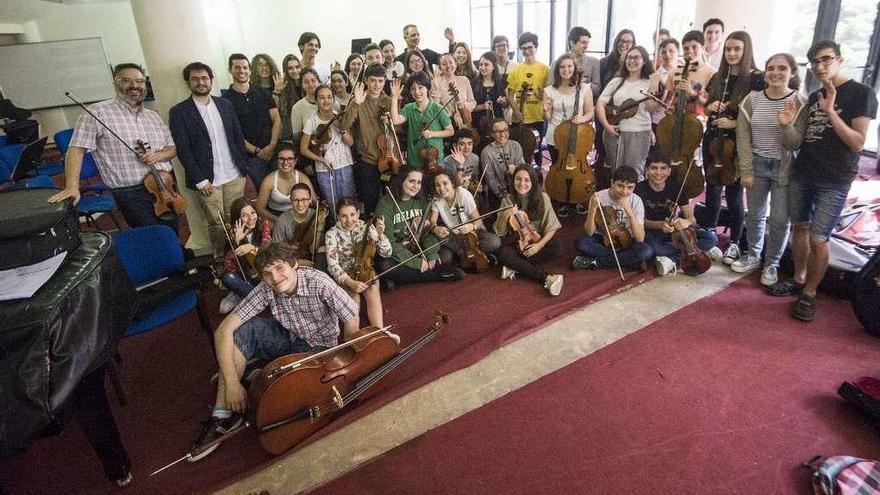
[(513, 259), (403, 274)]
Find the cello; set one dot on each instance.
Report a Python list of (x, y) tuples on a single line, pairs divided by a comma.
[(568, 179), (520, 132), (679, 135), (720, 170), (390, 154)]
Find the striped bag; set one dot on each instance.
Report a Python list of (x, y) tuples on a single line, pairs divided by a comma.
[(845, 475)]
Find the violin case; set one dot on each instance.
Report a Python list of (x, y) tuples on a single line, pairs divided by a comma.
[(864, 394), (33, 230)]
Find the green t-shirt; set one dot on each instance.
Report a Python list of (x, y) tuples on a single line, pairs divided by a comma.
[(415, 120)]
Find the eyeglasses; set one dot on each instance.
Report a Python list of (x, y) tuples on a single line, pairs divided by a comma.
[(527, 47), (136, 82), (500, 131), (825, 61), (287, 159), (633, 58), (302, 200)]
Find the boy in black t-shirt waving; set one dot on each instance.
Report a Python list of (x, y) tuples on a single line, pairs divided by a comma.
[(659, 195), (833, 130)]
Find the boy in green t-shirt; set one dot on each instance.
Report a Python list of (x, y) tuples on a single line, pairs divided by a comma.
[(417, 115)]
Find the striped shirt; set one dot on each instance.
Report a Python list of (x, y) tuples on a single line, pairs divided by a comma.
[(312, 313), (766, 131), (119, 167)]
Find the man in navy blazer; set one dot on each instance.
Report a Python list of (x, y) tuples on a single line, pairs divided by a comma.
[(210, 146)]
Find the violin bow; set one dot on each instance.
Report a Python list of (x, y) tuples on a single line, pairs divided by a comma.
[(406, 222), (112, 133), (231, 244), (420, 253)]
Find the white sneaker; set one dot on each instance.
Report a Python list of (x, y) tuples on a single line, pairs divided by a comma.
[(745, 264), (732, 254), (507, 273), (715, 253), (665, 266), (229, 303), (769, 276), (553, 284)]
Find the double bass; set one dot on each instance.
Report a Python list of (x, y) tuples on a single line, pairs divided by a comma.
[(569, 177), (679, 135)]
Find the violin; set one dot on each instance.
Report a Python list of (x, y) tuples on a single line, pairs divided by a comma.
[(615, 236), (463, 113), (569, 177), (693, 261), (390, 154), (472, 258), (720, 170), (417, 229), (679, 135), (430, 158), (362, 268), (520, 132), (322, 136), (519, 222), (484, 126), (168, 203), (248, 269), (295, 395)]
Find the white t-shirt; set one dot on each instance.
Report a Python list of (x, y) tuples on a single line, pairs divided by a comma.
[(563, 108), (635, 203), (336, 151), (641, 121), (459, 212)]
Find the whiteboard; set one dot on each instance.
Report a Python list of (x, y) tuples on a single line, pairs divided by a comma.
[(36, 75)]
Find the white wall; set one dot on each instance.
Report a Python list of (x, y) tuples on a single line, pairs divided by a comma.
[(48, 21)]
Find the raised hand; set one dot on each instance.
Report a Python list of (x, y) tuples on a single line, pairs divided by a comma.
[(448, 34), (395, 88), (826, 101), (788, 112), (360, 93), (280, 82)]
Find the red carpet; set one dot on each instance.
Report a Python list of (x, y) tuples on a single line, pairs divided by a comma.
[(166, 374), (692, 404)]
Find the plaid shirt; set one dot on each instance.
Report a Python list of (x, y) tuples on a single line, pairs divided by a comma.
[(313, 313), (118, 166)]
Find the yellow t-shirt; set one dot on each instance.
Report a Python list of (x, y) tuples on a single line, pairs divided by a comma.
[(537, 75)]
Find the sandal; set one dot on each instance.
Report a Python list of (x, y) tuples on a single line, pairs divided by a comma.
[(785, 288), (805, 308)]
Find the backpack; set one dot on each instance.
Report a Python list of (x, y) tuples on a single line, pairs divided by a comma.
[(845, 475)]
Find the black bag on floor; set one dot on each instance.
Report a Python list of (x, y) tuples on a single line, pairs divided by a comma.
[(33, 230), (866, 295)]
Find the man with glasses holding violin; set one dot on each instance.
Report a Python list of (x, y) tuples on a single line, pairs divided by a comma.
[(122, 170), (833, 126), (210, 146), (536, 75)]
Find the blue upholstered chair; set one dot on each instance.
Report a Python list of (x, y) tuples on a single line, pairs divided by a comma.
[(168, 286), (91, 201)]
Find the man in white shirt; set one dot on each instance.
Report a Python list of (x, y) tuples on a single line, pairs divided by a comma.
[(211, 150), (713, 34), (309, 45)]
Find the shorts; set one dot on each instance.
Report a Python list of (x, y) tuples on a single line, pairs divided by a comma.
[(819, 203), (265, 338)]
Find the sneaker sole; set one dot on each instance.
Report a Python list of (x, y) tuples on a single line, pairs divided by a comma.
[(205, 453), (744, 269), (767, 282)]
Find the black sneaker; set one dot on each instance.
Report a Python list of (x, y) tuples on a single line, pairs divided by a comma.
[(584, 263), (386, 285), (213, 429), (804, 308), (449, 274), (562, 212), (493, 260)]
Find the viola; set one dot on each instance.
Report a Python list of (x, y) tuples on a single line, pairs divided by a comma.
[(362, 268), (720, 171), (168, 203), (615, 235), (520, 132), (569, 177), (679, 135), (430, 158), (295, 395), (390, 154), (614, 114), (519, 222)]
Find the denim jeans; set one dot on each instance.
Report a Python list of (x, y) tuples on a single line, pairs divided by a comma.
[(817, 202), (238, 285), (631, 257), (766, 184), (343, 186), (661, 242)]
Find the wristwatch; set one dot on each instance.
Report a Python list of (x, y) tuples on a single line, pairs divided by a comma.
[(257, 150)]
